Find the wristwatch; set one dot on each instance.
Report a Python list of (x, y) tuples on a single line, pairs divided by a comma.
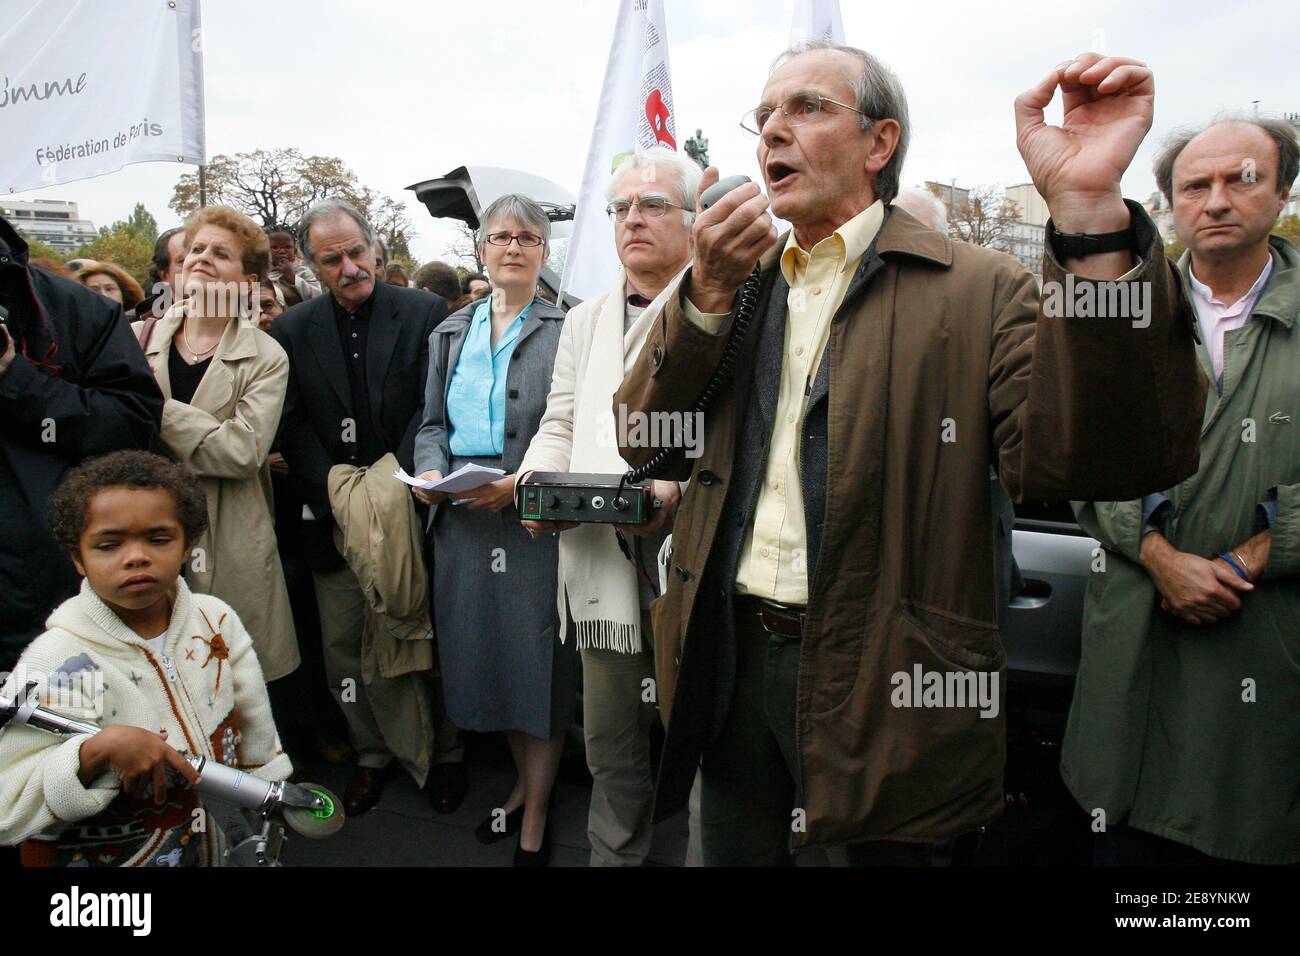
[(1073, 245)]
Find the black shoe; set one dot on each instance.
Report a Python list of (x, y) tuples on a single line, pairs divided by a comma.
[(364, 789), (514, 821), (447, 787), (539, 857)]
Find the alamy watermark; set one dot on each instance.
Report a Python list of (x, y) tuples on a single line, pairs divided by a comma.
[(638, 429), (213, 298), (77, 686), (1088, 299), (922, 688), (76, 908)]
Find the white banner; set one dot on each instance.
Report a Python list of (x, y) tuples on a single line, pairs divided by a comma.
[(89, 87), (817, 20), (635, 114)]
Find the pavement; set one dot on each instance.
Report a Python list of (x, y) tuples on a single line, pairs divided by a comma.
[(1040, 826), (404, 830)]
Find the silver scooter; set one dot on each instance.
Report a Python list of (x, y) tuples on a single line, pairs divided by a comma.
[(264, 808)]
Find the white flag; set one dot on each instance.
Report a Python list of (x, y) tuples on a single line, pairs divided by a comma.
[(635, 114), (89, 87), (817, 20)]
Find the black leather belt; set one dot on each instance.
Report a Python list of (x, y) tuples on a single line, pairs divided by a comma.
[(784, 620)]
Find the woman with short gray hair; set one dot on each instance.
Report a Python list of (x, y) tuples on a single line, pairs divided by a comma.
[(505, 662)]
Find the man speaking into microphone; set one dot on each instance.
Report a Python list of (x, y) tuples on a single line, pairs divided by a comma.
[(836, 539)]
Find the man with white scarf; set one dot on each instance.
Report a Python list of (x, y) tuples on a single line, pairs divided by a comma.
[(651, 200)]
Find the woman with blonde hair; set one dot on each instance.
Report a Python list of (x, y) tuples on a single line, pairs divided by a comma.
[(224, 381), (112, 282)]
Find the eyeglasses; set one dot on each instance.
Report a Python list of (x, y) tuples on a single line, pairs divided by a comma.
[(799, 109), (652, 207), (526, 240)]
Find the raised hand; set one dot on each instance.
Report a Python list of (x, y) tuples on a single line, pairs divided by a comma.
[(1108, 103)]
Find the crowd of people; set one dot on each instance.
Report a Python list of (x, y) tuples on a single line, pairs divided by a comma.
[(216, 462), (288, 282)]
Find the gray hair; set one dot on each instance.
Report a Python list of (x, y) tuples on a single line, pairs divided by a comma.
[(329, 209), (382, 248), (879, 96), (686, 173), (1281, 132), (522, 210), (925, 206)]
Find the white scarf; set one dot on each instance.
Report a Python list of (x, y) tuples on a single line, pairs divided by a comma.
[(601, 584)]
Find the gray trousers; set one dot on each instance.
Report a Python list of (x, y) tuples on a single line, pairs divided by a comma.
[(342, 607), (618, 709)]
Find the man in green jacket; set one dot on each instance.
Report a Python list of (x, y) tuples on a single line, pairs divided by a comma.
[(1184, 736)]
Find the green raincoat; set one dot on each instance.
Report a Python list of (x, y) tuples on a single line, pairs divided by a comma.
[(1193, 733)]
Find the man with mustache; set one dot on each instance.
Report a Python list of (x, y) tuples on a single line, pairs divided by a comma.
[(837, 532), (358, 357)]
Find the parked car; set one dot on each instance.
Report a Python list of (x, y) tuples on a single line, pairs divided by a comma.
[(1042, 630), (466, 191)]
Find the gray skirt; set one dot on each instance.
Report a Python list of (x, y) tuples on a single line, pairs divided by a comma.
[(494, 588)]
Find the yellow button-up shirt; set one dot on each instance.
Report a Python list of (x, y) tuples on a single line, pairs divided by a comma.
[(774, 556)]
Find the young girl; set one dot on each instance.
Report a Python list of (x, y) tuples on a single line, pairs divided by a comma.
[(166, 672)]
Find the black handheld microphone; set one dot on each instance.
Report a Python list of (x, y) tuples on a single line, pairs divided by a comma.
[(720, 189)]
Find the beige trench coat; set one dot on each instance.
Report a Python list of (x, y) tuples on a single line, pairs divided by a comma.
[(380, 535), (224, 436)]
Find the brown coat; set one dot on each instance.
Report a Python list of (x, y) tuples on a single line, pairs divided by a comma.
[(930, 332)]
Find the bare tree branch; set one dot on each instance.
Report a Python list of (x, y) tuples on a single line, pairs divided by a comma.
[(276, 186), (465, 247), (984, 218)]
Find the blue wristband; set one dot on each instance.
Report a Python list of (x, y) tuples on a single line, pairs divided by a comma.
[(1233, 564)]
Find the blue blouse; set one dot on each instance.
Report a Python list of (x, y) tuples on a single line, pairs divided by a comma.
[(476, 399)]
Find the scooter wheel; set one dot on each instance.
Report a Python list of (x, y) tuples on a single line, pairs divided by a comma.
[(316, 824)]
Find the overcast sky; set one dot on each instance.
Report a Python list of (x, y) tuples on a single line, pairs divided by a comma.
[(405, 90)]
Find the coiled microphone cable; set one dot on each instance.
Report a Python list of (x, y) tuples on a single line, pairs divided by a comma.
[(748, 300)]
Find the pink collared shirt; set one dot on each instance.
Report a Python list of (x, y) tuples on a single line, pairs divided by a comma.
[(1217, 319)]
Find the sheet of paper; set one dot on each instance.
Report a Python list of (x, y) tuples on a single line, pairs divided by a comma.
[(462, 479), (402, 476)]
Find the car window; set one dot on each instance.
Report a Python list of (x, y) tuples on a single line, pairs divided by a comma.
[(1056, 512)]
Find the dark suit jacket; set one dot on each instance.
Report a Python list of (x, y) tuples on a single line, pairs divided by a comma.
[(318, 403)]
